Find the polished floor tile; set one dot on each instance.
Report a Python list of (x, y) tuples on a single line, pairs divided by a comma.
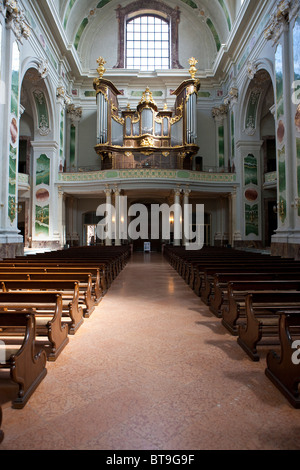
[(153, 369)]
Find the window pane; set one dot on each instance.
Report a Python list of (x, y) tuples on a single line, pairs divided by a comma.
[(147, 38)]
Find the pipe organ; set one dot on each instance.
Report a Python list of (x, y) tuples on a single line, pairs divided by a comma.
[(146, 137)]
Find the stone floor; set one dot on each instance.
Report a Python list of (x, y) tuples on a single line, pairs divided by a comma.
[(153, 369)]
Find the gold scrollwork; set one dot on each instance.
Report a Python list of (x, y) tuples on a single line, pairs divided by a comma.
[(158, 120), (136, 119), (147, 142), (113, 107), (118, 119)]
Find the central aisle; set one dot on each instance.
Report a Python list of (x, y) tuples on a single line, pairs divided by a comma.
[(153, 369)]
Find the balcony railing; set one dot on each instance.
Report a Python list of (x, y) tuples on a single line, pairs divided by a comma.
[(134, 166)]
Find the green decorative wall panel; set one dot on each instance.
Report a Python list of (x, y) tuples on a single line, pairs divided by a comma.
[(251, 216), (43, 170), (296, 41), (42, 220), (221, 146), (12, 188), (250, 170), (68, 11), (62, 130), (226, 12), (214, 33), (15, 81), (232, 134), (72, 145), (80, 31)]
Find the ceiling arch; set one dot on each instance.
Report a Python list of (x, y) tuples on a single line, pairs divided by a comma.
[(207, 22)]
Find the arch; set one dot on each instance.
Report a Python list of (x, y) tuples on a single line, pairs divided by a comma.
[(247, 87), (43, 84)]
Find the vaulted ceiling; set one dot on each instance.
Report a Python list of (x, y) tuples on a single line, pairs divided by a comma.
[(88, 29)]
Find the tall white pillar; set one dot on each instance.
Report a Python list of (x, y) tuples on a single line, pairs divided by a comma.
[(13, 30), (286, 240)]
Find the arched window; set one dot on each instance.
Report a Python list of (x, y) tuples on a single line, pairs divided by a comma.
[(148, 36), (147, 43)]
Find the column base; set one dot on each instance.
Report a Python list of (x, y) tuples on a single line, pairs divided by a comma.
[(286, 244), (286, 250), (11, 250)]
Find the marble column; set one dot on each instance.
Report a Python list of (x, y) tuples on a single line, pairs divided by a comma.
[(13, 31), (286, 241)]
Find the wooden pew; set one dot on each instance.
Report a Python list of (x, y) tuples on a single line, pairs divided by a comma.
[(261, 318), (25, 362), (48, 310), (283, 369), (98, 279), (55, 263), (219, 301), (71, 290), (208, 261), (206, 277), (106, 277), (1, 432), (234, 310)]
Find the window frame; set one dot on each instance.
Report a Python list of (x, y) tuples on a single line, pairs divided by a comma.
[(147, 58), (140, 8)]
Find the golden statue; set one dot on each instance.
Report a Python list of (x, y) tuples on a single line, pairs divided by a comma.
[(101, 70), (193, 69)]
